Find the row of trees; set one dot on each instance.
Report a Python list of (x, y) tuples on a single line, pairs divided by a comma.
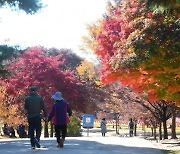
[(138, 44), (50, 70)]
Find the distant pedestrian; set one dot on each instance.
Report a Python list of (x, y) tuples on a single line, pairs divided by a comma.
[(59, 112), (131, 127), (11, 131), (5, 129), (21, 131), (34, 104), (103, 127)]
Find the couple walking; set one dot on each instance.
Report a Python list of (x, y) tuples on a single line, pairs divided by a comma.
[(34, 105)]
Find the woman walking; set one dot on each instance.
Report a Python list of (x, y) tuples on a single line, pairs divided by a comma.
[(59, 111)]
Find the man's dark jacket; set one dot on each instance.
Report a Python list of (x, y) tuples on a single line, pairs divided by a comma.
[(34, 104)]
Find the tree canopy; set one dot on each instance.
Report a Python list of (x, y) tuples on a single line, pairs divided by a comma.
[(6, 53), (29, 6), (34, 67), (140, 48)]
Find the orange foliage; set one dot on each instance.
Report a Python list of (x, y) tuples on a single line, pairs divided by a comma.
[(9, 112), (174, 88), (152, 95)]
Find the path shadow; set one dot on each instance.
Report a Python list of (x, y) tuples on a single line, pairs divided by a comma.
[(73, 146)]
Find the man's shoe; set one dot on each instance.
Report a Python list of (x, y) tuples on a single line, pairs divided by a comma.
[(37, 143), (32, 147), (58, 145)]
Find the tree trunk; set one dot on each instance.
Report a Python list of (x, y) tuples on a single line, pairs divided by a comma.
[(46, 134), (173, 128), (160, 131), (155, 133), (135, 128), (52, 128), (116, 124), (164, 119), (152, 131), (165, 128)]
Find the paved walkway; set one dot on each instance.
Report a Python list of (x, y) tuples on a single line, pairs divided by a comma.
[(82, 145)]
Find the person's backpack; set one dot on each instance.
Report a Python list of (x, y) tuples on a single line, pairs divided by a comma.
[(131, 125)]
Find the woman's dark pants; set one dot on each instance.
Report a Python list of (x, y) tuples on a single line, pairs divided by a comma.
[(61, 130)]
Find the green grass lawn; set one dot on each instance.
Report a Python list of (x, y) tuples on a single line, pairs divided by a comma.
[(171, 152)]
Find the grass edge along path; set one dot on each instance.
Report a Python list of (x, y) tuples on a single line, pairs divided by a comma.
[(171, 152)]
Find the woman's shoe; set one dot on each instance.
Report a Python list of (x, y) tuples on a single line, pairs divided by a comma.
[(61, 143)]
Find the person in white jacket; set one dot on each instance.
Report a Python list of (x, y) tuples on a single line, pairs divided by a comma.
[(103, 127)]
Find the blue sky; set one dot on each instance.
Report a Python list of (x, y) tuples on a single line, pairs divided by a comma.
[(60, 24)]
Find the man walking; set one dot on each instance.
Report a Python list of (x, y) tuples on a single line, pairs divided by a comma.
[(34, 104)]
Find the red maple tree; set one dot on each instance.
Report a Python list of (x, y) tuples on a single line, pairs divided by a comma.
[(35, 67)]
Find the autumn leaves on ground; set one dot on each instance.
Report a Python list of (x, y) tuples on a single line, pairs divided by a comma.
[(138, 74)]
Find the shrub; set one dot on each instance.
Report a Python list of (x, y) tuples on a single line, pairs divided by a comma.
[(74, 127)]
